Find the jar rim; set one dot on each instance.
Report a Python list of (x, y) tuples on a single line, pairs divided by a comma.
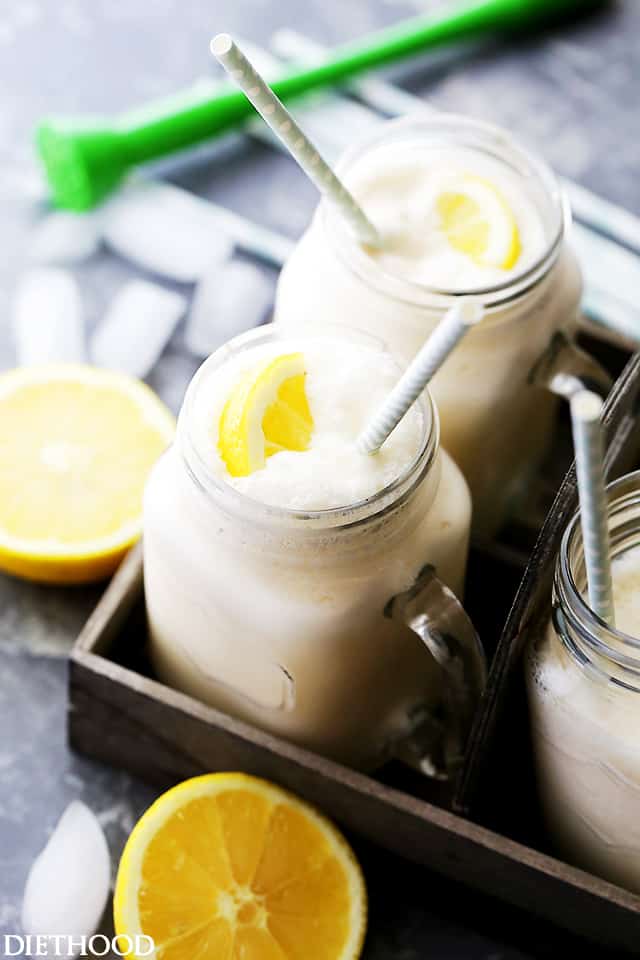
[(348, 515), (493, 141), (607, 642)]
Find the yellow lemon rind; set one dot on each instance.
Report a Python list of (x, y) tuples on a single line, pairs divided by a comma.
[(268, 399)]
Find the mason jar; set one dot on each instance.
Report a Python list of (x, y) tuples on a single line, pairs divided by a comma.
[(583, 680), (495, 418), (337, 629)]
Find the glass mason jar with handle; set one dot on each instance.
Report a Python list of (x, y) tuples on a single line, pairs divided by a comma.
[(336, 628), (495, 412), (583, 681)]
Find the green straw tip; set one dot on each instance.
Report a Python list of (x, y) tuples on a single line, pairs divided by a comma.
[(82, 165)]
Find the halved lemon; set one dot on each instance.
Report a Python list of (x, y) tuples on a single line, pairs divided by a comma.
[(478, 221), (76, 446), (267, 411), (230, 867)]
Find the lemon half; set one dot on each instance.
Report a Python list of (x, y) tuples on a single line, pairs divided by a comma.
[(267, 411), (479, 222), (76, 447), (230, 867)]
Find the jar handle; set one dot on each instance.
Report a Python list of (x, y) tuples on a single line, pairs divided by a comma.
[(564, 368), (436, 742)]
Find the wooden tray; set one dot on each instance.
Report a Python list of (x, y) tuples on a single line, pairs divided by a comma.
[(494, 744), (119, 713)]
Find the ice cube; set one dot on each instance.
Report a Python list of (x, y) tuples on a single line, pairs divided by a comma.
[(23, 178), (65, 237), (227, 302), (260, 241), (136, 327), (165, 230), (47, 318), (68, 884)]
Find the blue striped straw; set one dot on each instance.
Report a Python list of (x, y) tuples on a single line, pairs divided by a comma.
[(276, 116), (451, 329), (588, 442)]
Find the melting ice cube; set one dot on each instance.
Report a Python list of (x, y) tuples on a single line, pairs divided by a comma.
[(227, 302), (136, 327), (65, 237), (68, 884), (165, 230), (47, 318)]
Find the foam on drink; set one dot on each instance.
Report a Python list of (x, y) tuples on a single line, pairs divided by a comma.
[(402, 187), (625, 573), (345, 384)]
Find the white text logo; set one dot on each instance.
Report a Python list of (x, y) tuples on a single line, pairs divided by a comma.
[(64, 945)]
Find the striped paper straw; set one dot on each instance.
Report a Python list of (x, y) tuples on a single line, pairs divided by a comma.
[(586, 408), (276, 115), (451, 329)]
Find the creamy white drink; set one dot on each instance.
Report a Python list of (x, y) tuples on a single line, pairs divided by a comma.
[(462, 210), (584, 696), (410, 193), (267, 586)]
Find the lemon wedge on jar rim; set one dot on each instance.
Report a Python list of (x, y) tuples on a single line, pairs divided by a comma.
[(77, 445), (267, 411), (230, 867), (477, 220)]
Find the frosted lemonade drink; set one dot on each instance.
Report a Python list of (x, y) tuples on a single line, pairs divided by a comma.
[(462, 209), (583, 681), (273, 547)]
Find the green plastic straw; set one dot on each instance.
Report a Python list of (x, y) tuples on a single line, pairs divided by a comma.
[(85, 159)]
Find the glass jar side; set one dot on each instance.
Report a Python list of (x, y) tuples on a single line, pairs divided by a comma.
[(278, 616), (582, 680), (297, 640)]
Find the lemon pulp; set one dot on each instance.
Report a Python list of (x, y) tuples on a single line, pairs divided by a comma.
[(477, 221), (230, 867), (77, 446)]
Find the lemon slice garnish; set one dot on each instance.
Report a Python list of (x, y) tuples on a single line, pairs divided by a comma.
[(479, 222), (229, 867), (267, 411)]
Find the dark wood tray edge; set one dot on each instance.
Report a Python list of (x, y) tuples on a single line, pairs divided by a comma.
[(121, 716)]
